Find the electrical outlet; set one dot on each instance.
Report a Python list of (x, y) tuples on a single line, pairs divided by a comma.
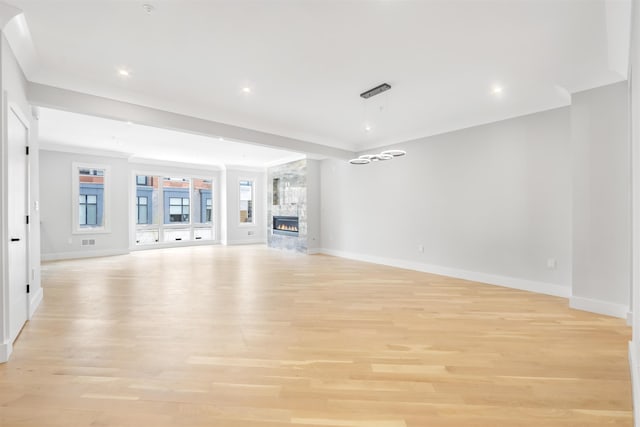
[(421, 248), (552, 263)]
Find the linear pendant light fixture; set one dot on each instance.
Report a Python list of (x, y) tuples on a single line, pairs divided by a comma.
[(376, 90), (369, 94), (365, 159)]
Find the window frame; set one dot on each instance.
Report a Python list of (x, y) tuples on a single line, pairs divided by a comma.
[(75, 199)]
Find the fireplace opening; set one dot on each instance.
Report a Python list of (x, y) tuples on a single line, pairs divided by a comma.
[(287, 225)]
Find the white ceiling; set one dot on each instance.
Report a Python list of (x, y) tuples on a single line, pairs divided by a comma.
[(306, 61), (70, 131)]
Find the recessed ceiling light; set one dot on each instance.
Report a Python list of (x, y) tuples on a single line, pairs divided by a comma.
[(129, 122), (221, 139), (124, 73), (246, 89), (497, 90), (148, 8), (367, 128)]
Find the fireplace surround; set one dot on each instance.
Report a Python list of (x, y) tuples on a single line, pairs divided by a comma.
[(285, 225)]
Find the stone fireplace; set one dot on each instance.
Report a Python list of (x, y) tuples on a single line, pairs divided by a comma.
[(293, 208)]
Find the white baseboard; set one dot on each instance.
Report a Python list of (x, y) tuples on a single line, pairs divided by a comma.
[(492, 279), (35, 298), (245, 242), (635, 384), (179, 244), (82, 254), (5, 351), (301, 251), (600, 307)]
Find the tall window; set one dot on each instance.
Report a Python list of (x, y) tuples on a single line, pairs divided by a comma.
[(89, 188), (246, 202), (88, 210), (178, 209), (208, 206), (201, 198), (142, 205), (148, 209), (177, 200)]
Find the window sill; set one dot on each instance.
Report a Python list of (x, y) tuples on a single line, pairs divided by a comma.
[(146, 226), (177, 225), (92, 231)]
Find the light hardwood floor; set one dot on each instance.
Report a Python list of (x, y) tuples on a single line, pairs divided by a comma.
[(252, 337)]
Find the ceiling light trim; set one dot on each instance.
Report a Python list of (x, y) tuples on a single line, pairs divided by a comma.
[(41, 95)]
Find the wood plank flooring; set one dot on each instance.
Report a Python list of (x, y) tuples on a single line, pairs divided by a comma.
[(252, 337)]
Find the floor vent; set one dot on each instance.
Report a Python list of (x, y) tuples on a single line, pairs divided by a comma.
[(88, 242)]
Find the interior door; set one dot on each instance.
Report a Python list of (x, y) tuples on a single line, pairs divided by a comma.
[(18, 264)]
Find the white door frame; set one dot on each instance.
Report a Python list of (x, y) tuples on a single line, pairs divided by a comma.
[(6, 345)]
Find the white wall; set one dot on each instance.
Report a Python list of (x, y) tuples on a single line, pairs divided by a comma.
[(601, 200), (237, 233), (489, 203), (36, 293), (57, 239), (13, 84)]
